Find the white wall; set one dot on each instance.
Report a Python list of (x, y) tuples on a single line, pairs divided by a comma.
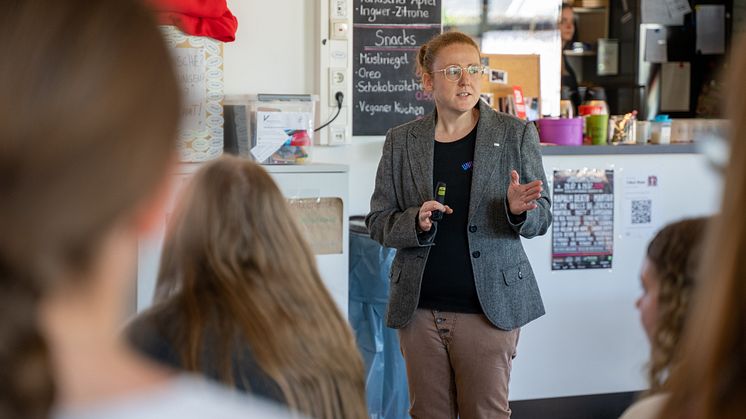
[(274, 47), (276, 52), (590, 341)]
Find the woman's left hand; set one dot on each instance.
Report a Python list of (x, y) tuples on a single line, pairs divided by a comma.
[(522, 198)]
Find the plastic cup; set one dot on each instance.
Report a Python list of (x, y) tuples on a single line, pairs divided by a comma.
[(597, 128), (643, 132)]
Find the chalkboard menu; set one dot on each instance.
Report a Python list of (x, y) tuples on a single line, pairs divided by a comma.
[(386, 92)]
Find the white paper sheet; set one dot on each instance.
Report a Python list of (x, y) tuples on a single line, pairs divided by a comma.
[(710, 29), (656, 48), (657, 11), (675, 83), (641, 206), (270, 130), (607, 59), (678, 7)]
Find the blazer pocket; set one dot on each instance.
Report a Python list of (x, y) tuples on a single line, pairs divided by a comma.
[(515, 273), (395, 273)]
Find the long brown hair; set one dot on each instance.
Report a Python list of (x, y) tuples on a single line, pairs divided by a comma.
[(711, 382), (235, 264), (675, 254), (88, 117)]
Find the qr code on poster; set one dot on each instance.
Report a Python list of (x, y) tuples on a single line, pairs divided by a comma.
[(641, 211)]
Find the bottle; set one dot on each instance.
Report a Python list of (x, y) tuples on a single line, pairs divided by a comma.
[(596, 113), (661, 130), (594, 102)]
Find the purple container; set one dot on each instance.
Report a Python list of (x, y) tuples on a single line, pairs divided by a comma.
[(561, 131)]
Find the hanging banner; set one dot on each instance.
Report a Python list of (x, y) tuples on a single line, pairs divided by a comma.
[(583, 226)]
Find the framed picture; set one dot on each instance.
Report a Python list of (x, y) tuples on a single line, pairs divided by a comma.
[(498, 76)]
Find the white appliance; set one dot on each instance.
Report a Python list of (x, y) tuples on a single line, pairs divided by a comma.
[(315, 180)]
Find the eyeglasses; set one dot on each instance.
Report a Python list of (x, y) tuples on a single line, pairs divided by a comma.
[(454, 72)]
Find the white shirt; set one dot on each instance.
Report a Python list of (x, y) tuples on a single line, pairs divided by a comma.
[(184, 397)]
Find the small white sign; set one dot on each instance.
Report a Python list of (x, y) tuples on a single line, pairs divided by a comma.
[(641, 206), (273, 129)]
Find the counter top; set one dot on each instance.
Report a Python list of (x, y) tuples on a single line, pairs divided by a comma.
[(684, 148), (190, 168)]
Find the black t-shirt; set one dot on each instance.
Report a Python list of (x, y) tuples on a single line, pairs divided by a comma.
[(448, 281), (152, 334)]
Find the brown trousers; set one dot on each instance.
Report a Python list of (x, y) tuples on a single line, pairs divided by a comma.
[(458, 365)]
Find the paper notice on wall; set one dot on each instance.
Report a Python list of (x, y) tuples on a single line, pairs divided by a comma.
[(657, 11), (641, 207), (656, 47), (321, 222), (710, 29), (190, 69), (678, 7), (273, 129), (675, 84), (583, 226)]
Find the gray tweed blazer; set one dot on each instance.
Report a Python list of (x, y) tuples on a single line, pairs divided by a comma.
[(505, 282)]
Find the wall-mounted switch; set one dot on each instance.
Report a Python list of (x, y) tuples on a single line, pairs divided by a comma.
[(339, 29), (338, 9)]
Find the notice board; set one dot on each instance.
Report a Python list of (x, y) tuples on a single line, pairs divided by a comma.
[(583, 227), (198, 63), (386, 91), (516, 70)]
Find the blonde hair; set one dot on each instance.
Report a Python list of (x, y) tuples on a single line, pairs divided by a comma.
[(88, 118), (674, 253), (428, 52), (235, 263), (711, 380)]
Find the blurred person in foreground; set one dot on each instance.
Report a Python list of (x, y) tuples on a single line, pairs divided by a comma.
[(668, 283), (239, 298), (88, 120), (710, 382)]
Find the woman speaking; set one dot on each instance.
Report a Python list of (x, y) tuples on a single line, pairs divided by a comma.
[(461, 287)]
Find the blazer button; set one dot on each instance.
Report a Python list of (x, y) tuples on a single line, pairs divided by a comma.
[(520, 275), (473, 228), (476, 254)]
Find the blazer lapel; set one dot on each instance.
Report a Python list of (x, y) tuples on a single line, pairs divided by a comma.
[(487, 151), (420, 149)]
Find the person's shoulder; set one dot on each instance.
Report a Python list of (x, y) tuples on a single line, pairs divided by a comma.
[(646, 408), (148, 332), (401, 131), (184, 397), (497, 117)]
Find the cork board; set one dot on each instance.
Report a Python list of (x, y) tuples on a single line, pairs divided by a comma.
[(521, 70), (321, 222), (198, 62)]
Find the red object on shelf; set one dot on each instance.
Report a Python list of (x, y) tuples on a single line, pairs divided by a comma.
[(300, 138), (209, 18), (520, 105)]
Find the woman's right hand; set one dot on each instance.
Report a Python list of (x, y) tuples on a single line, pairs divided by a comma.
[(424, 223)]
